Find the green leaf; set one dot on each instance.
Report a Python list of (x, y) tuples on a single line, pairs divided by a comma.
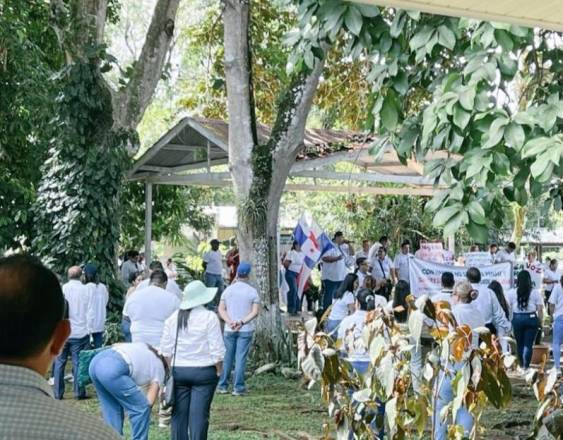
[(540, 165), (461, 117), (353, 20), (496, 132), (389, 113), (535, 146), (548, 116), (400, 83), (514, 135), (476, 212), (421, 38), (525, 118), (446, 37), (445, 214), (504, 39), (368, 11), (467, 97), (478, 232), (455, 223)]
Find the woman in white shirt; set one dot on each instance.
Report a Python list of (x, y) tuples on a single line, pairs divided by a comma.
[(556, 310), (193, 344), (342, 302), (120, 374), (526, 305), (97, 308), (551, 278), (293, 262), (465, 313)]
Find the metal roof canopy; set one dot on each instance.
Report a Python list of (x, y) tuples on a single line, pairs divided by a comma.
[(188, 152), (546, 14)]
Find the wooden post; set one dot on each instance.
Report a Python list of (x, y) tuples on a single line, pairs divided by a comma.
[(148, 222)]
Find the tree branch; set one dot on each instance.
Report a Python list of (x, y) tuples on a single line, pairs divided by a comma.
[(242, 139), (132, 101)]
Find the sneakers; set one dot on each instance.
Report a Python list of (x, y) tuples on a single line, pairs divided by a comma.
[(222, 391), (238, 393), (51, 381)]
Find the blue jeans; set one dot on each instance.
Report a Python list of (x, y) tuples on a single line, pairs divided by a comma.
[(126, 329), (72, 348), (214, 280), (332, 326), (118, 392), (361, 368), (329, 288), (525, 327), (293, 301), (98, 339), (557, 341), (194, 388), (445, 396), (237, 345)]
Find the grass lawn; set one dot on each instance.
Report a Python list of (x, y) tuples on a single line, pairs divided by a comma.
[(273, 407)]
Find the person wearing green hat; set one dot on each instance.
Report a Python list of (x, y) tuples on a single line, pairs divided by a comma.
[(239, 305), (193, 344)]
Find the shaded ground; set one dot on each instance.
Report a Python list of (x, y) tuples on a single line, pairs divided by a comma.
[(277, 408)]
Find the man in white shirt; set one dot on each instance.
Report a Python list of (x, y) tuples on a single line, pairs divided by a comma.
[(508, 254), (148, 308), (382, 266), (487, 303), (445, 294), (239, 305), (556, 310), (535, 269), (213, 270), (129, 266), (362, 270), (364, 252), (551, 278), (493, 250), (333, 269), (78, 300), (402, 261), (171, 285)]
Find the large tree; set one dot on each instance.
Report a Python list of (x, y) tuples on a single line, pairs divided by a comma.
[(78, 204)]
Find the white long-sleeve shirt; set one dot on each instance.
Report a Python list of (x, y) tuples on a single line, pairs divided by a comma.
[(491, 311), (148, 308), (97, 309), (200, 344), (78, 299)]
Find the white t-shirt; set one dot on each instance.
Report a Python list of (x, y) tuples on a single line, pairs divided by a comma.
[(171, 286), (534, 301), (337, 270), (401, 264), (556, 299), (99, 298), (381, 269), (148, 308), (443, 295), (78, 299), (340, 306), (297, 258), (145, 367), (536, 273), (503, 256), (469, 315), (239, 298), (214, 261), (552, 275)]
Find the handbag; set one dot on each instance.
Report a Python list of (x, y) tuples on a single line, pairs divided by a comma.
[(84, 359), (167, 396)]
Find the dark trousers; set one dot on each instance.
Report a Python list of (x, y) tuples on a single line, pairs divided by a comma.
[(72, 347), (194, 388), (329, 288), (97, 339), (525, 327), (293, 301)]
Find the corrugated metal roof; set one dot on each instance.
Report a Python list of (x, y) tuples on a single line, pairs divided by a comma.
[(545, 14)]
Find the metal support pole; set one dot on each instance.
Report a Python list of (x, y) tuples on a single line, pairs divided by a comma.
[(451, 244), (148, 222)]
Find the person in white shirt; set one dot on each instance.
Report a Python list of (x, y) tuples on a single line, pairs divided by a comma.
[(448, 282), (171, 269), (382, 270), (556, 310), (97, 309), (171, 285), (362, 270), (213, 269), (343, 303), (129, 266), (293, 262), (527, 315), (507, 254), (364, 252), (551, 277), (488, 304), (402, 261), (148, 308), (493, 250), (535, 268), (333, 269), (193, 344), (120, 374), (239, 305), (78, 300), (465, 313)]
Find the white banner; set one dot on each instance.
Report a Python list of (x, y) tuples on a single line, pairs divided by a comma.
[(426, 277), (478, 259)]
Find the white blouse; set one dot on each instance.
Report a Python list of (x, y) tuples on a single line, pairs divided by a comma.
[(200, 344)]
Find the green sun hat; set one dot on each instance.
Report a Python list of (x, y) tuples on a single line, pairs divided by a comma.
[(196, 294)]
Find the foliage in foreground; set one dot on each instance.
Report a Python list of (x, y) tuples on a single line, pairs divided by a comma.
[(410, 399)]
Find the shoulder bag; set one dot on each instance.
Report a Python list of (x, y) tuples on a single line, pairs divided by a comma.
[(167, 396)]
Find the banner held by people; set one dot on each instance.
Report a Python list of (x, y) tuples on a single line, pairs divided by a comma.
[(426, 276)]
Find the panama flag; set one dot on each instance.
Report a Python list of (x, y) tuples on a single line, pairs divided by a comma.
[(314, 243)]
